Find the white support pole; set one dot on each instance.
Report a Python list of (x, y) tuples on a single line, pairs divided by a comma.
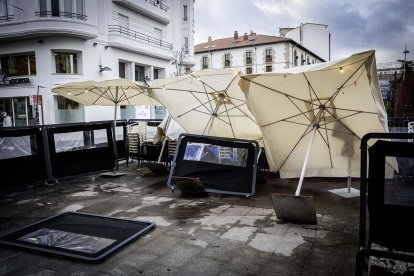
[(315, 129), (114, 132)]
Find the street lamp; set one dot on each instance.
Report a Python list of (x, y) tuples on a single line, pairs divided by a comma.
[(405, 59)]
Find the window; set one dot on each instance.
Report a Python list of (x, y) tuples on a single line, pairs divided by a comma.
[(269, 68), (66, 63), (64, 103), (121, 69), (55, 7), (18, 64), (139, 73), (68, 8), (185, 13), (186, 45), (80, 11), (205, 62), (249, 70), (42, 8), (302, 60), (122, 21), (227, 60), (156, 74), (295, 58), (307, 60), (249, 57), (268, 55), (187, 70), (5, 11)]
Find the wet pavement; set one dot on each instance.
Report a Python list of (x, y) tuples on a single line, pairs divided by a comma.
[(195, 235)]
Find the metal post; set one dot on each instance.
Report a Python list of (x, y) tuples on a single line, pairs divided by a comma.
[(113, 133)]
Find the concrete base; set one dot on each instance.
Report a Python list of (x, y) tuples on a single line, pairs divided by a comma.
[(344, 192), (112, 174)]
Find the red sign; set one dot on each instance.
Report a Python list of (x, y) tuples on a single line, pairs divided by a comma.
[(35, 100)]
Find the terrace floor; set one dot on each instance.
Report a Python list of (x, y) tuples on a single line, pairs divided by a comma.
[(212, 235)]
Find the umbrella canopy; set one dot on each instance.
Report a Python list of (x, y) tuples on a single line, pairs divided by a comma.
[(168, 129), (112, 92), (108, 92), (208, 102), (331, 104)]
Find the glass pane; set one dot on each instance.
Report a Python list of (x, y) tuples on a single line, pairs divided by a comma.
[(20, 114), (216, 154), (79, 9), (55, 7), (67, 240), (100, 137), (12, 147), (68, 9), (43, 8), (119, 133), (32, 60), (399, 190), (69, 141)]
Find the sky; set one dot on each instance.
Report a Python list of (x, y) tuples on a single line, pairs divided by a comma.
[(385, 26)]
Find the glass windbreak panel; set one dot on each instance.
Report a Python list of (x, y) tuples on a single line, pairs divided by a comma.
[(12, 147), (119, 133), (67, 240), (100, 137), (68, 111), (216, 154), (69, 141), (399, 190)]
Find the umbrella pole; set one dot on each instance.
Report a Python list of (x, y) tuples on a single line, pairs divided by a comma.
[(114, 137), (165, 138), (302, 174), (214, 114)]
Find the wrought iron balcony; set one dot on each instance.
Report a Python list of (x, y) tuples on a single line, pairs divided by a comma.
[(248, 60), (61, 14), (268, 58), (139, 36), (158, 3), (6, 18)]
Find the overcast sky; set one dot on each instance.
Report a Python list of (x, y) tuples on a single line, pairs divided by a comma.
[(355, 25)]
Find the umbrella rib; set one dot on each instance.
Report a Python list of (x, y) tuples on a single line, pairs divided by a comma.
[(211, 106), (234, 98), (311, 89), (284, 119), (303, 112), (339, 120), (277, 91), (231, 126), (354, 110), (327, 138), (340, 88), (102, 95), (306, 132), (193, 109), (246, 115), (123, 94)]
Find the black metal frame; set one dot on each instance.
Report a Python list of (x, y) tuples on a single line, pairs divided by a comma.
[(364, 249), (104, 253)]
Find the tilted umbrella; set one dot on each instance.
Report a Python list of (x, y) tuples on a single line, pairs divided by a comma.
[(114, 92), (325, 108), (208, 102)]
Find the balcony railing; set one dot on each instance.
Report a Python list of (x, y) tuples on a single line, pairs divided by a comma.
[(61, 14), (6, 18), (139, 36), (158, 3), (248, 60)]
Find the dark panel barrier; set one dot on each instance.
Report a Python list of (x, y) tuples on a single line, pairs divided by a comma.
[(222, 165), (77, 149), (79, 236), (121, 139), (22, 157)]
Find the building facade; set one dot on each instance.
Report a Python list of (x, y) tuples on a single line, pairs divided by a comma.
[(44, 43), (257, 53)]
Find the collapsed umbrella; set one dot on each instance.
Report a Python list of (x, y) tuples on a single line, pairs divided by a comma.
[(326, 108)]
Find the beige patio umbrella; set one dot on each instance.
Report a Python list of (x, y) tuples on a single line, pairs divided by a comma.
[(323, 109), (208, 102), (113, 92)]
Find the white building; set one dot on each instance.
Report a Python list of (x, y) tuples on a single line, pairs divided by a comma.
[(44, 43), (256, 53)]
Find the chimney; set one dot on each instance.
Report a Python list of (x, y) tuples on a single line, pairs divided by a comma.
[(245, 37), (236, 35), (209, 39)]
